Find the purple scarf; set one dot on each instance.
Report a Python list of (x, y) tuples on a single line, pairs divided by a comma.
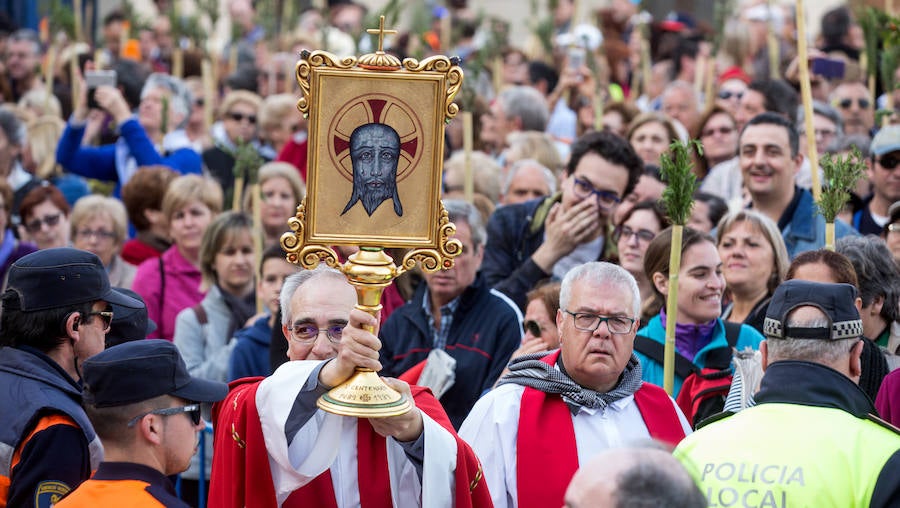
[(690, 338)]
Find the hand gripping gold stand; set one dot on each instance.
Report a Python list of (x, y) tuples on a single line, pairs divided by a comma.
[(376, 134)]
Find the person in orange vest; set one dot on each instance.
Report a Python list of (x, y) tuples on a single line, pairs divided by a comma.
[(56, 313), (146, 409)]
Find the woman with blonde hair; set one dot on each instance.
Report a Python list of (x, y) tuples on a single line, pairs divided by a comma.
[(99, 224), (754, 262), (171, 283), (281, 190), (39, 157)]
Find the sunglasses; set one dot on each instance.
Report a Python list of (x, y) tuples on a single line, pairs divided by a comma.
[(727, 94), (106, 316), (846, 103), (34, 226), (238, 117), (193, 410), (724, 131), (889, 163), (533, 327)]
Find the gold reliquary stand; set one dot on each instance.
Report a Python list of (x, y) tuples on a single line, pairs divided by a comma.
[(376, 141)]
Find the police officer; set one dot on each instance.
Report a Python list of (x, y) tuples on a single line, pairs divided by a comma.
[(812, 439), (56, 311), (146, 409)]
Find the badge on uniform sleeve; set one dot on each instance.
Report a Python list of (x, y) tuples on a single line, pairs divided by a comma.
[(49, 493)]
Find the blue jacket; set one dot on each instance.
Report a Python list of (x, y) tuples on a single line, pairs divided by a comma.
[(103, 163), (33, 386), (653, 370), (485, 331), (806, 229), (250, 356)]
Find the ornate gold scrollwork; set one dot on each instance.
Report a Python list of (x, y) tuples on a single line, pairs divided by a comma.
[(450, 67), (307, 256), (432, 260), (317, 58)]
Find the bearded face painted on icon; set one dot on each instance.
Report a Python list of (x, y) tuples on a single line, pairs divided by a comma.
[(374, 153)]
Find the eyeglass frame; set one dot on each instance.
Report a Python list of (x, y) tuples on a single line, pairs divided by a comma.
[(880, 161), (601, 195), (530, 325), (845, 103), (193, 411), (240, 117), (728, 94), (329, 333), (600, 319), (35, 225), (619, 232), (106, 315)]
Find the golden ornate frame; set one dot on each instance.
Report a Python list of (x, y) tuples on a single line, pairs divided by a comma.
[(415, 98)]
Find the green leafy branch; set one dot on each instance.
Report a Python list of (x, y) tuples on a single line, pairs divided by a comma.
[(247, 161), (60, 19), (841, 175), (676, 167)]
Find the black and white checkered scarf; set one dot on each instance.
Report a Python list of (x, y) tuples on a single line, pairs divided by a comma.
[(529, 370)]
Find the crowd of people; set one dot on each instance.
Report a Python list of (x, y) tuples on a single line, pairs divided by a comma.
[(135, 288)]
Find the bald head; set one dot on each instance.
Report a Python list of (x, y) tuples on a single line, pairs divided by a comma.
[(633, 477)]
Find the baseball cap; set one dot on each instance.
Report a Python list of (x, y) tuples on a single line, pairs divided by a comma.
[(837, 301), (129, 324), (141, 370), (886, 141), (61, 277)]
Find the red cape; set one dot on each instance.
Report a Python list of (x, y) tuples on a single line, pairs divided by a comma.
[(241, 476)]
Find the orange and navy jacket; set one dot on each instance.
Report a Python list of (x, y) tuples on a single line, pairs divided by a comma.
[(47, 444), (124, 484)]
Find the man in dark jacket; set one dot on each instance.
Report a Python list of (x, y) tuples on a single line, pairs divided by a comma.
[(55, 316), (547, 237), (454, 312)]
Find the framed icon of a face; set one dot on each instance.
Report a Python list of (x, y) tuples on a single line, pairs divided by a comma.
[(376, 139)]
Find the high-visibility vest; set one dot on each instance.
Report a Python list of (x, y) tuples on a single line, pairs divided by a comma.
[(789, 455)]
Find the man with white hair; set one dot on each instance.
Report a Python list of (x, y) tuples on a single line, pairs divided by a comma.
[(526, 180), (275, 448), (556, 410)]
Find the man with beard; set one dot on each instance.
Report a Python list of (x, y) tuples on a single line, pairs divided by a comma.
[(768, 150), (374, 152)]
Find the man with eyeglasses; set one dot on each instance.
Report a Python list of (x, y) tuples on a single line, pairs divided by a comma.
[(884, 176), (546, 237), (145, 407), (55, 315), (556, 410), (813, 438), (275, 448), (852, 99)]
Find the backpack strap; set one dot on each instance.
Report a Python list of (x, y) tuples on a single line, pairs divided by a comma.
[(657, 352), (540, 214), (162, 294), (720, 358), (200, 312)]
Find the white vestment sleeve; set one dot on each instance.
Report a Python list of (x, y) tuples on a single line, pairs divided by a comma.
[(437, 486), (314, 446)]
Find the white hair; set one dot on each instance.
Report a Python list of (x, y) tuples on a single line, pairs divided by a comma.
[(601, 273)]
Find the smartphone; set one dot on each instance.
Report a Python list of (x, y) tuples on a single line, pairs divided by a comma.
[(576, 56), (93, 79), (828, 68)]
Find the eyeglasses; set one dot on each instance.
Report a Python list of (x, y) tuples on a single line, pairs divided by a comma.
[(643, 235), (846, 103), (583, 189), (533, 327), (105, 315), (306, 333), (237, 117), (99, 234), (890, 162), (724, 131), (34, 226), (894, 228), (588, 322), (200, 102), (193, 410), (727, 94)]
